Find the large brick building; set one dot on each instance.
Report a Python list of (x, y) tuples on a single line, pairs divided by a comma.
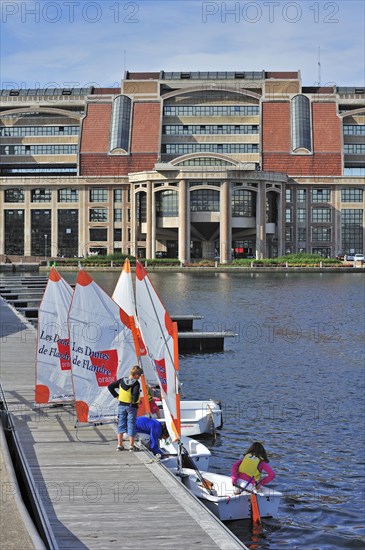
[(188, 165)]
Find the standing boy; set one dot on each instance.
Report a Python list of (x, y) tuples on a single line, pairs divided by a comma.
[(128, 397)]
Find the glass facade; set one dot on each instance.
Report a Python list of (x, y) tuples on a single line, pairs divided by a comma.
[(68, 232), (352, 230), (24, 131), (117, 214), (352, 194), (204, 161), (321, 215), (117, 195), (167, 204), (98, 215), (117, 234), (301, 215), (141, 205), (211, 110), (14, 232), (302, 234), (98, 195), (38, 149), (68, 195), (288, 234), (243, 203), (323, 251), (301, 195), (321, 195), (41, 232), (41, 195), (222, 148), (321, 234), (98, 234), (210, 129), (354, 129), (14, 195), (354, 149), (204, 200)]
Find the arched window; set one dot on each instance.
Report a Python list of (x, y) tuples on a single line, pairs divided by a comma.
[(301, 123), (120, 123)]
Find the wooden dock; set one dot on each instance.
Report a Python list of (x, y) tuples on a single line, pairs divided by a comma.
[(86, 494)]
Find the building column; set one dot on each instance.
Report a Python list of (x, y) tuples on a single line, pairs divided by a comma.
[(83, 224), (281, 221), (2, 224), (154, 222), (261, 221), (225, 223), (184, 223), (54, 225), (27, 223), (133, 243), (149, 220)]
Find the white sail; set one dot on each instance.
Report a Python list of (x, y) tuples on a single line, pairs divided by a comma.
[(102, 344), (53, 382), (123, 295), (160, 336)]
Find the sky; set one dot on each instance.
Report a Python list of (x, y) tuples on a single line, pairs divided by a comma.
[(63, 43)]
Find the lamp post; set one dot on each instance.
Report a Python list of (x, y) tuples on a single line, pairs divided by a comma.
[(45, 247)]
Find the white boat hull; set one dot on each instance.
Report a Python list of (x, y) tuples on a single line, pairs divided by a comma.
[(223, 501), (199, 453), (199, 417)]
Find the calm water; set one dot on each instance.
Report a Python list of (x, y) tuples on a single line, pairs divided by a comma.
[(293, 379)]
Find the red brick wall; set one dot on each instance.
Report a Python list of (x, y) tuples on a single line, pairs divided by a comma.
[(94, 157), (112, 165), (326, 128), (145, 127), (276, 146), (95, 128), (276, 126), (324, 164)]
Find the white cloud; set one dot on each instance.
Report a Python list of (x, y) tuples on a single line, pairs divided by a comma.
[(172, 36)]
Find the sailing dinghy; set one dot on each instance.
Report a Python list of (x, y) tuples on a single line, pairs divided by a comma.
[(124, 296), (197, 417), (218, 494)]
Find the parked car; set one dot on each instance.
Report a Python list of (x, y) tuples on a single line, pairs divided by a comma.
[(161, 254), (340, 257), (359, 258), (349, 258)]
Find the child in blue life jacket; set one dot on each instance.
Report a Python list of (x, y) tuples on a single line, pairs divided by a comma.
[(246, 472)]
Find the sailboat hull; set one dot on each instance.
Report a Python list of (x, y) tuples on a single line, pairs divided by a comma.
[(223, 501), (199, 417), (198, 452)]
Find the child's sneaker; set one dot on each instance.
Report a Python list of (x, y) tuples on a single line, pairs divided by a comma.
[(120, 448), (133, 449)]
